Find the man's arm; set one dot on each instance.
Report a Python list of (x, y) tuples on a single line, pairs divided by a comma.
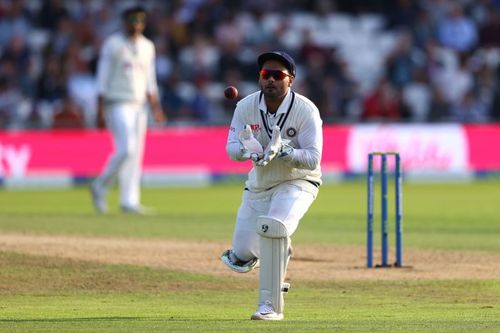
[(152, 92), (104, 69), (310, 140), (233, 146), (100, 121), (158, 115)]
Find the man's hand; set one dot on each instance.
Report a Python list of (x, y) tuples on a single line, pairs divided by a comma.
[(277, 147), (158, 114), (159, 117), (286, 151), (272, 149), (251, 149)]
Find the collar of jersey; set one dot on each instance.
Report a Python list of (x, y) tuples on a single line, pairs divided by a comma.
[(283, 107)]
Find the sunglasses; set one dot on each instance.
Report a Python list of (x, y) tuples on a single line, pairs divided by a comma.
[(276, 74)]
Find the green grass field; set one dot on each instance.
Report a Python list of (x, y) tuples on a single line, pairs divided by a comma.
[(40, 293)]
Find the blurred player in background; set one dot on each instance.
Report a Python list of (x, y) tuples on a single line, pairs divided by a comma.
[(283, 182), (126, 79)]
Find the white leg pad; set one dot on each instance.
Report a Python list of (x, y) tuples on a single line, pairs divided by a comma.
[(274, 255)]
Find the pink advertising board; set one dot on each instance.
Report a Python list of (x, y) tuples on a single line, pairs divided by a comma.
[(442, 148)]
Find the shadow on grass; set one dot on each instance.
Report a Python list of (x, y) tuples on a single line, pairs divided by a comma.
[(62, 320), (85, 319)]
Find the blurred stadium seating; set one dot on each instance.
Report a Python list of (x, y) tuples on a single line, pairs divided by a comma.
[(355, 57)]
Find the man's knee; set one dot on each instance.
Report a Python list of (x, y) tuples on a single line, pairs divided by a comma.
[(123, 154), (271, 228)]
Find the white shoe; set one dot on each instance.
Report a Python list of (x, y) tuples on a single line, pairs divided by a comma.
[(138, 210), (231, 261), (266, 312), (98, 198)]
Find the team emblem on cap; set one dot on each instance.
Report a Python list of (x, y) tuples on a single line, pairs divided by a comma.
[(291, 132)]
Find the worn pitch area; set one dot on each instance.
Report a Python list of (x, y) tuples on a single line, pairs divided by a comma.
[(309, 262)]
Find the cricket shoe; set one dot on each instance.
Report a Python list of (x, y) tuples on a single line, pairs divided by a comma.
[(266, 312), (98, 198), (137, 210), (231, 260)]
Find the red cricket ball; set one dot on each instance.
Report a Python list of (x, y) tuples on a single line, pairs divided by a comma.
[(231, 92)]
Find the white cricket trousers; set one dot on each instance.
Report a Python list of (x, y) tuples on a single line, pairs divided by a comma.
[(287, 202), (128, 124)]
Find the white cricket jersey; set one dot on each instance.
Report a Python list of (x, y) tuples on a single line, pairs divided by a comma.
[(126, 69), (299, 121)]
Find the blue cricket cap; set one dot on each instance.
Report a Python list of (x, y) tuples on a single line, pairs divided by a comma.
[(280, 56)]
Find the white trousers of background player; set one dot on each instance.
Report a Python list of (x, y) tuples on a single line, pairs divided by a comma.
[(286, 202), (128, 124)]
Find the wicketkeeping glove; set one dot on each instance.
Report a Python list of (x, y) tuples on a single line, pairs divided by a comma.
[(272, 149), (251, 149), (286, 150)]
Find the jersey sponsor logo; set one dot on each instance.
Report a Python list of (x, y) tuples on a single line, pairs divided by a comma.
[(291, 132), (255, 128)]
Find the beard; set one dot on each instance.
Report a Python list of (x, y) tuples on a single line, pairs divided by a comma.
[(272, 92)]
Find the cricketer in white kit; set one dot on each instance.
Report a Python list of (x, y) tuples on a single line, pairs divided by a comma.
[(280, 132), (126, 80)]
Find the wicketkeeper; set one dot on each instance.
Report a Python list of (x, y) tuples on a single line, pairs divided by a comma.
[(279, 131)]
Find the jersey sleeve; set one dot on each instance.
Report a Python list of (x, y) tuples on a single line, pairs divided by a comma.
[(233, 144), (310, 139), (104, 66), (152, 84)]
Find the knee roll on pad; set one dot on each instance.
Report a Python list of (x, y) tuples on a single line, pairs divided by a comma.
[(271, 228), (274, 245)]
